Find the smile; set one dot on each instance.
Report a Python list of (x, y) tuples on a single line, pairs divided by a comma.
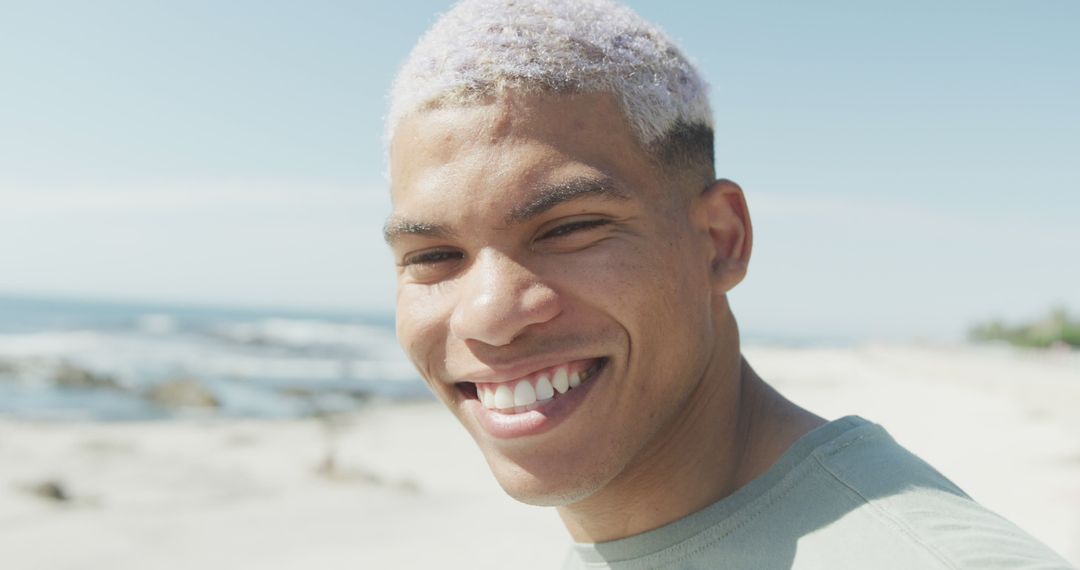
[(537, 389)]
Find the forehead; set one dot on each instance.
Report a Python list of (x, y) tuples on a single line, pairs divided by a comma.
[(500, 149)]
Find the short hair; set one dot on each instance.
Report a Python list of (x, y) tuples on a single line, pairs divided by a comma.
[(482, 47)]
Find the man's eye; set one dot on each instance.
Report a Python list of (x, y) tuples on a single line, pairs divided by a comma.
[(431, 257), (574, 227)]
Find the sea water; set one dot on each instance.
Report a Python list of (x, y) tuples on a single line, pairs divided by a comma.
[(255, 363)]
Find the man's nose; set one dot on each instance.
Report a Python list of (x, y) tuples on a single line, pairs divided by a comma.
[(499, 298)]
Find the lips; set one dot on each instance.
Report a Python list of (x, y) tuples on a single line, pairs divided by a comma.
[(529, 392), (531, 404)]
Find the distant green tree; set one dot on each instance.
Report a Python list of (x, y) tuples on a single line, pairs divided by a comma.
[(1056, 328)]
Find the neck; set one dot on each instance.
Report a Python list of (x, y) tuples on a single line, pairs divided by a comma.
[(733, 429)]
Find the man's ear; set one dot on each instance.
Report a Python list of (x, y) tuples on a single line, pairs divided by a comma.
[(722, 208)]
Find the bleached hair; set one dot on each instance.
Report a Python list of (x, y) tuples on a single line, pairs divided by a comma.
[(481, 47)]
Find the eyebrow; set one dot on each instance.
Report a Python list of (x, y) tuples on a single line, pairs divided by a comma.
[(547, 196), (544, 198), (396, 227)]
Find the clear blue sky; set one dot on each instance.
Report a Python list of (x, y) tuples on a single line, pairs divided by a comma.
[(911, 167)]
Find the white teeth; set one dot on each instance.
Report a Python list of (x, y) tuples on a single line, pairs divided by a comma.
[(560, 382), (524, 394), (503, 397), (544, 390)]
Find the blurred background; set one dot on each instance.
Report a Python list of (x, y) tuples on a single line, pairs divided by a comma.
[(196, 305)]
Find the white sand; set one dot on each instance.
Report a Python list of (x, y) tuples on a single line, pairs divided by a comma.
[(410, 489)]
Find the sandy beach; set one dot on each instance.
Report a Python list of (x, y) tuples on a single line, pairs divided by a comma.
[(402, 486)]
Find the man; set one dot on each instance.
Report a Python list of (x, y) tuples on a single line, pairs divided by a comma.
[(564, 256)]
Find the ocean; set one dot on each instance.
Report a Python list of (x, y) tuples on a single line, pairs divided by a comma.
[(64, 359)]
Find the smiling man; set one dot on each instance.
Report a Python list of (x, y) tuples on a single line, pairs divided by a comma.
[(564, 256)]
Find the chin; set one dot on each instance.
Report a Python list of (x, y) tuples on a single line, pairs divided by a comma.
[(554, 486), (546, 494)]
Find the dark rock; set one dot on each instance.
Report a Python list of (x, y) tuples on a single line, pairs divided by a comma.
[(183, 393), (50, 490), (69, 376), (361, 396), (298, 392)]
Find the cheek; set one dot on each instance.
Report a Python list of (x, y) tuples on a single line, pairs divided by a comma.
[(635, 281), (659, 294), (421, 328)]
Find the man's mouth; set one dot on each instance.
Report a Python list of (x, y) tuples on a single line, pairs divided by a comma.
[(535, 390)]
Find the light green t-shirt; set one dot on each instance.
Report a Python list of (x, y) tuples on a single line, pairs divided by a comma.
[(846, 495)]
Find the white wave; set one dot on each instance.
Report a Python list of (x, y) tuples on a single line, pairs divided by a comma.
[(49, 343), (156, 323), (305, 333), (144, 357)]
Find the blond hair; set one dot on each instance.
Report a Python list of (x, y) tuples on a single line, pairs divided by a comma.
[(481, 47)]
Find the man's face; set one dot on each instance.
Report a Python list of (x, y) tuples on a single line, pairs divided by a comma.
[(537, 245)]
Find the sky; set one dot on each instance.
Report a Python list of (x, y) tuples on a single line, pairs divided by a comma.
[(911, 167)]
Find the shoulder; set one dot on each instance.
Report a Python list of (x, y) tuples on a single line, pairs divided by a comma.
[(846, 495), (901, 500)]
